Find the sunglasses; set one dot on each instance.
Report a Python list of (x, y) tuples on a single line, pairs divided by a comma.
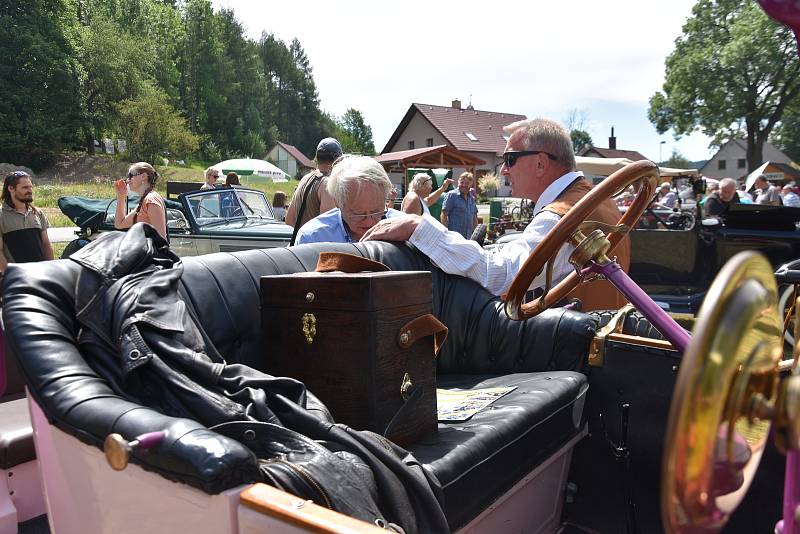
[(132, 174), (510, 158)]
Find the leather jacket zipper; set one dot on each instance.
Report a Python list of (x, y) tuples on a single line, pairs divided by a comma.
[(305, 476)]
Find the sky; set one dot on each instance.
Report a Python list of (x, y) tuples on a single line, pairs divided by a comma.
[(598, 60)]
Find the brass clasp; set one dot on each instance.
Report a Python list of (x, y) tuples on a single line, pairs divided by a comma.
[(406, 386), (309, 327)]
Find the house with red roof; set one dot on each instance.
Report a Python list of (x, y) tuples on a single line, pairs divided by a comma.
[(290, 160), (476, 132), (611, 152)]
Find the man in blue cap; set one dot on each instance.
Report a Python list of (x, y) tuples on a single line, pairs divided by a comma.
[(311, 196)]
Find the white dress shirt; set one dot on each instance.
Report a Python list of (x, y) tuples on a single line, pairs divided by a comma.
[(495, 270)]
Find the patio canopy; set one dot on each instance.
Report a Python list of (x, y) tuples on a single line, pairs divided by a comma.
[(248, 167), (430, 157), (607, 166)]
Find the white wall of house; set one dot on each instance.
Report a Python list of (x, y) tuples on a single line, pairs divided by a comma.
[(731, 160), (283, 160), (421, 133)]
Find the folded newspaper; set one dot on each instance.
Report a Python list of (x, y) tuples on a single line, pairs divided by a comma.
[(459, 405)]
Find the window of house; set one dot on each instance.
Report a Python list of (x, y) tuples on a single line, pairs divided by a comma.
[(429, 141), (740, 163), (722, 165), (470, 136), (411, 145)]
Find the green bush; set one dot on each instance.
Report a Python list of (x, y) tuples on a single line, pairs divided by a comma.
[(153, 128)]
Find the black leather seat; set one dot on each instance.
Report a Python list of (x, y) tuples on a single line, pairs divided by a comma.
[(475, 461)]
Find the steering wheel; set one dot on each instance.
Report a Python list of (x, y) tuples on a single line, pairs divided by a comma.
[(567, 230)]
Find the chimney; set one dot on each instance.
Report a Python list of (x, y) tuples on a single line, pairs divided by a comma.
[(457, 104), (612, 141)]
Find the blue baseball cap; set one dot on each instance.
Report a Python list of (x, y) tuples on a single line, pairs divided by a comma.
[(329, 149)]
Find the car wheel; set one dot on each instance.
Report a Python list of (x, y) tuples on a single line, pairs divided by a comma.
[(74, 246), (784, 305), (479, 234)]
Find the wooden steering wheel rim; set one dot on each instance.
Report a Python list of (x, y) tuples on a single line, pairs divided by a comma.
[(644, 170)]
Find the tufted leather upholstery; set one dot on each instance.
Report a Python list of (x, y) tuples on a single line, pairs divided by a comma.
[(475, 461)]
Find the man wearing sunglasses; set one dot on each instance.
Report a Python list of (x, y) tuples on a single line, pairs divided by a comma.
[(360, 188), (23, 227), (540, 164)]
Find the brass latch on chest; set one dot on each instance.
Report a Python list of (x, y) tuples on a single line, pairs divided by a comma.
[(309, 323)]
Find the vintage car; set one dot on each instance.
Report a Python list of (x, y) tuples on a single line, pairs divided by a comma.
[(199, 222), (633, 422)]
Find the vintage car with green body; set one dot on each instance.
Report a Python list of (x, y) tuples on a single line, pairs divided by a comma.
[(199, 222)]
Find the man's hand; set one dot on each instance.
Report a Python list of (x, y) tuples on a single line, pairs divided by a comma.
[(397, 229)]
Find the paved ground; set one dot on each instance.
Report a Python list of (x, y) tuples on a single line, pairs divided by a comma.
[(61, 235)]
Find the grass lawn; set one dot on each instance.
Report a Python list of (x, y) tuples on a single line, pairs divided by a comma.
[(58, 248), (46, 195)]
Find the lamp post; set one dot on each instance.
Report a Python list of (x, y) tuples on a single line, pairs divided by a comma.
[(660, 147)]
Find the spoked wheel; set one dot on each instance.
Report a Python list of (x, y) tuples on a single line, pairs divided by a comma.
[(569, 229)]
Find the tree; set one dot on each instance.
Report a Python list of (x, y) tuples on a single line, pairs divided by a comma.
[(38, 93), (580, 139), (358, 135), (153, 128), (732, 74), (577, 119), (677, 161), (786, 135), (112, 66)]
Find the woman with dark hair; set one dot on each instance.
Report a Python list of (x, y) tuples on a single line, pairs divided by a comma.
[(232, 179), (141, 180), (279, 205)]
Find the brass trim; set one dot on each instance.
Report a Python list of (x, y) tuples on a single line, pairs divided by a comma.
[(405, 386), (597, 349), (117, 451), (309, 324), (643, 341), (725, 394)]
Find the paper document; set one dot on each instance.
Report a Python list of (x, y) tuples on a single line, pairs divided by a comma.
[(459, 405)]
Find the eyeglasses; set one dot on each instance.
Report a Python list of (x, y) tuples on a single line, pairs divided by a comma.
[(133, 174), (510, 158), (363, 217)]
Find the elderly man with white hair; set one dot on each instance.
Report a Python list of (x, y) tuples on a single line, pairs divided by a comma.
[(666, 196), (359, 187), (790, 198), (719, 203)]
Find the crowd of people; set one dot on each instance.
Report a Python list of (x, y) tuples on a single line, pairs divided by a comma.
[(350, 198)]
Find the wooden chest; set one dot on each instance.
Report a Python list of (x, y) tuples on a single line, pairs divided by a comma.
[(340, 334)]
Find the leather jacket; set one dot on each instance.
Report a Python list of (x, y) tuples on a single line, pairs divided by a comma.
[(142, 337)]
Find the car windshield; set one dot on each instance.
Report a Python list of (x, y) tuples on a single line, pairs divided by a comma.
[(222, 205)]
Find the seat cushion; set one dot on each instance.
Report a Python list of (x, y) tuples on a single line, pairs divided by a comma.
[(478, 460), (16, 434)]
